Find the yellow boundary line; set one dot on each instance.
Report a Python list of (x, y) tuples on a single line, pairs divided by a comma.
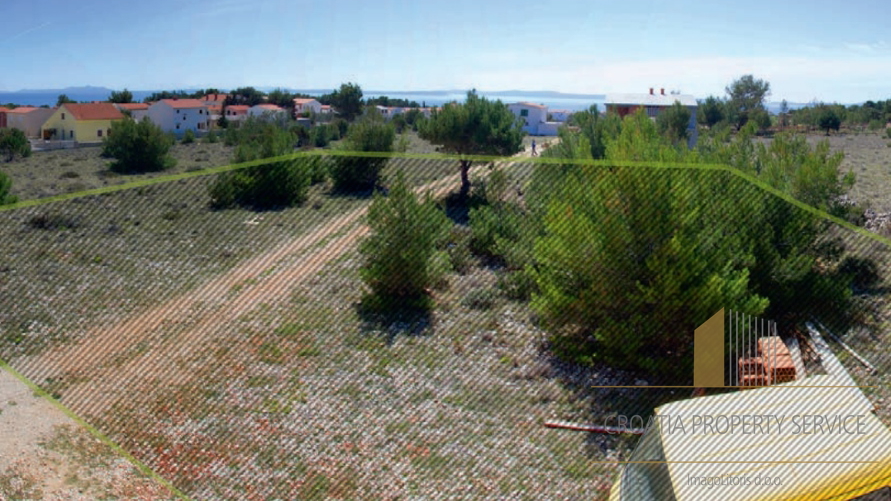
[(474, 158), (95, 432), (409, 156)]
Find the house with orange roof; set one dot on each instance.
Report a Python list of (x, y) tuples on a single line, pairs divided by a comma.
[(83, 123), (180, 115), (137, 111), (303, 104), (259, 110), (236, 112), (27, 119)]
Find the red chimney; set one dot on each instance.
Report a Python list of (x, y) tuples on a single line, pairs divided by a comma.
[(651, 91), (662, 91)]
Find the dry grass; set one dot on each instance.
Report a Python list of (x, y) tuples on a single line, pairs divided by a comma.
[(48, 173), (303, 397)]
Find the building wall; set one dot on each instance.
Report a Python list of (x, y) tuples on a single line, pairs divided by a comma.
[(30, 123), (69, 129), (178, 120), (256, 111), (314, 106), (92, 131), (534, 116), (138, 115)]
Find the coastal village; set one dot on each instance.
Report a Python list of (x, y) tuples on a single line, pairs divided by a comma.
[(72, 124)]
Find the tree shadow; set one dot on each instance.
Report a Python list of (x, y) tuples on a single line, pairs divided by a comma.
[(458, 205), (394, 321)]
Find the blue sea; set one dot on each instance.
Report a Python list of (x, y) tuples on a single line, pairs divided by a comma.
[(572, 102), (553, 100)]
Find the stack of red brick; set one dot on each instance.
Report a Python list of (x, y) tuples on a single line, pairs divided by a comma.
[(777, 359), (773, 364)]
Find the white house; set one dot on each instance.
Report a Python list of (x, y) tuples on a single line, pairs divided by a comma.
[(559, 115), (180, 115), (262, 109), (236, 112), (137, 110), (653, 104), (535, 118), (307, 104)]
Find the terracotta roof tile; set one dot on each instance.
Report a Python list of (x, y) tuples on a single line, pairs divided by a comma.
[(132, 106), (93, 111), (184, 103), (215, 97), (269, 107), (303, 100), (20, 110)]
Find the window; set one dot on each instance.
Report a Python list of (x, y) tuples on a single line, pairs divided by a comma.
[(524, 113), (184, 117), (200, 112), (63, 116), (99, 133), (70, 134), (177, 111), (177, 126)]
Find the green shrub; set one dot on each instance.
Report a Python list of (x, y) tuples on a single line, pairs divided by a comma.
[(875, 125), (480, 299), (5, 188), (517, 284), (14, 142), (138, 147), (888, 132), (458, 248), (188, 137), (277, 184), (211, 137), (354, 173), (398, 264), (320, 136)]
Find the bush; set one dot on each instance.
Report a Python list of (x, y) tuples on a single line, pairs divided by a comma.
[(480, 299), (5, 188), (13, 142), (355, 173), (888, 132), (320, 136), (276, 184), (875, 125), (211, 137), (518, 285), (458, 248), (53, 221), (399, 123), (398, 264), (188, 137), (138, 147)]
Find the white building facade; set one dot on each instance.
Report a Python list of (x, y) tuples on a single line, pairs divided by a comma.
[(180, 115)]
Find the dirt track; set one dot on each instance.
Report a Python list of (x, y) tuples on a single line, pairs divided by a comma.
[(151, 349)]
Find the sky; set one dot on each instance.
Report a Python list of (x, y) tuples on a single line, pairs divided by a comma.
[(807, 50)]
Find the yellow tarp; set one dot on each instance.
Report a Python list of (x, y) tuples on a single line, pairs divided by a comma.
[(812, 440)]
